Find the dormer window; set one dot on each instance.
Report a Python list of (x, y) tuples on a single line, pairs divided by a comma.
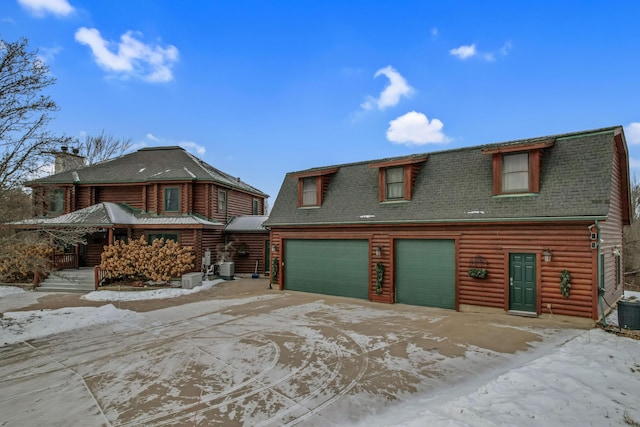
[(516, 168), (312, 186), (394, 183), (515, 173), (310, 191), (396, 178)]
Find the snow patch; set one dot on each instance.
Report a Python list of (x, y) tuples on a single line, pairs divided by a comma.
[(19, 326), (148, 295)]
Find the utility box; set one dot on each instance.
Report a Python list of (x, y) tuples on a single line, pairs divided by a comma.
[(191, 280), (629, 314), (227, 270)]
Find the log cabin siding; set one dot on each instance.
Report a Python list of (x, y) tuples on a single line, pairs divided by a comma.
[(129, 194), (83, 196), (202, 204), (255, 242), (569, 243)]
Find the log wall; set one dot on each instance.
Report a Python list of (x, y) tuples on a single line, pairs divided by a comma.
[(569, 243)]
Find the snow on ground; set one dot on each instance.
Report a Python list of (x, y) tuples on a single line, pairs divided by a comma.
[(18, 326), (10, 290), (148, 294), (591, 380)]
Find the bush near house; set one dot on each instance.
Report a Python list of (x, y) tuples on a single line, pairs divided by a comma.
[(159, 261), (20, 260)]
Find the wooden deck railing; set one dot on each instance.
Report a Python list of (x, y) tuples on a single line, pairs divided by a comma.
[(63, 261)]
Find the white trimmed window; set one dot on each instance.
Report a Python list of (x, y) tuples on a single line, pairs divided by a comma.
[(394, 183), (515, 172), (310, 191)]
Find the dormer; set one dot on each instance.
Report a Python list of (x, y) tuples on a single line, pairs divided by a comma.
[(312, 186), (516, 168), (396, 178)]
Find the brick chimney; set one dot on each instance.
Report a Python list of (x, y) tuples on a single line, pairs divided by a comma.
[(66, 161)]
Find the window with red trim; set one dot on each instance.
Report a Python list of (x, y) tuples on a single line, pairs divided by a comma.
[(397, 177), (516, 169), (309, 191), (312, 186)]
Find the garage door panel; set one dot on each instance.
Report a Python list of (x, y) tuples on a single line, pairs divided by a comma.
[(332, 267), (425, 272)]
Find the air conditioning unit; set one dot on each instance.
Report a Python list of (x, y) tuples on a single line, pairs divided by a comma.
[(191, 280), (227, 270)]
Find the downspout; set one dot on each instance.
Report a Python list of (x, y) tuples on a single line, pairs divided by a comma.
[(599, 272)]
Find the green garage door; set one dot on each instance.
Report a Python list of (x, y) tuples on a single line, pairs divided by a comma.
[(333, 267), (425, 272)]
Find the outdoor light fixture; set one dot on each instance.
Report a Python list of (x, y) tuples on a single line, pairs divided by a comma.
[(274, 247), (378, 250), (547, 255)]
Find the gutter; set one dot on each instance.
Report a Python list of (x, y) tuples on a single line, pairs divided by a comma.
[(443, 221)]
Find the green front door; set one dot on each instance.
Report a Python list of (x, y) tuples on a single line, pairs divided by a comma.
[(522, 282), (333, 267), (425, 272)]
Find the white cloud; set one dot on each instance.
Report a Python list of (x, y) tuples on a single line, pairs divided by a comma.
[(130, 57), (192, 146), (434, 32), (152, 137), (469, 51), (464, 52), (415, 128), (390, 96), (632, 133), (42, 7)]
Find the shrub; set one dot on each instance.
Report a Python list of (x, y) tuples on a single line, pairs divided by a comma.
[(20, 260), (137, 260)]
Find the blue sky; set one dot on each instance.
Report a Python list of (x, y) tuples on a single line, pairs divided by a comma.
[(261, 88)]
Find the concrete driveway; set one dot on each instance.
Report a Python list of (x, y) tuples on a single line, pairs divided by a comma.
[(245, 355)]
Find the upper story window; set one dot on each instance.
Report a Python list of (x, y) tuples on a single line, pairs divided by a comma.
[(312, 186), (516, 168), (222, 201), (310, 191), (172, 199), (56, 201), (515, 172), (394, 183), (396, 178), (256, 207)]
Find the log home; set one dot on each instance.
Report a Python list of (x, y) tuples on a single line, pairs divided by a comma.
[(153, 192), (489, 228)]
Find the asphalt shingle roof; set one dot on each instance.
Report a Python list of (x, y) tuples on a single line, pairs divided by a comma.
[(149, 164), (457, 185)]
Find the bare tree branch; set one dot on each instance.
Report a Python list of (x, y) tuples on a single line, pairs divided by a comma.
[(103, 147), (24, 113)]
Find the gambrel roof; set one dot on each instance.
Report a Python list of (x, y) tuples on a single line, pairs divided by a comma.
[(456, 185), (148, 165)]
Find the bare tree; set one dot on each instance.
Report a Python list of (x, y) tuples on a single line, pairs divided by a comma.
[(24, 113), (103, 147), (632, 233)]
